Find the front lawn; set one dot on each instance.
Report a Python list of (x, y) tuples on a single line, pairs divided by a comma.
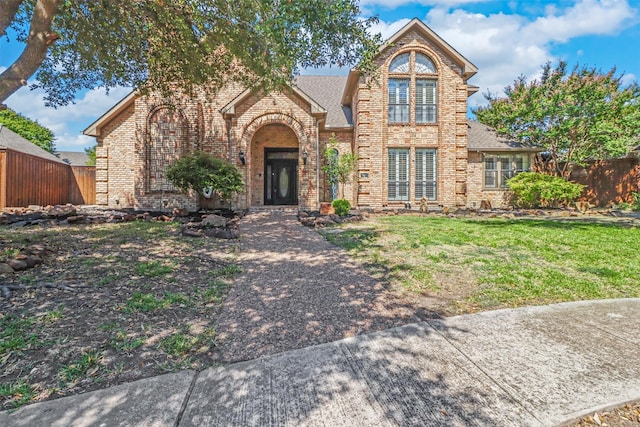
[(461, 265)]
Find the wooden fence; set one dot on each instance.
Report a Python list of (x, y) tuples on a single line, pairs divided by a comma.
[(609, 182), (29, 180)]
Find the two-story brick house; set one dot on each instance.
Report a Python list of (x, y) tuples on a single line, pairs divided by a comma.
[(408, 127)]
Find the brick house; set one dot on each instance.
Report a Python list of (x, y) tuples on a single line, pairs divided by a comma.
[(408, 128)]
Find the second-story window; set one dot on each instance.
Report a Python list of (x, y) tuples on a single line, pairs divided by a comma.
[(412, 89)]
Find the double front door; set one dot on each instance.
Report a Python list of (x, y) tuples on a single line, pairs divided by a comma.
[(281, 177)]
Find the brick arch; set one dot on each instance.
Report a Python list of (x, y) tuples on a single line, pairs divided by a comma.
[(167, 136), (270, 119)]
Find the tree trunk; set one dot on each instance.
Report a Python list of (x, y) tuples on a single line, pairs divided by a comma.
[(35, 51)]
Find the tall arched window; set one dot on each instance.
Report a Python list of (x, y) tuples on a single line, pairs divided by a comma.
[(167, 142), (412, 73)]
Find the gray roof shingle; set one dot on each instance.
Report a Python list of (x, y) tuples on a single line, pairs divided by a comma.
[(327, 91), (483, 138), (73, 158), (13, 141)]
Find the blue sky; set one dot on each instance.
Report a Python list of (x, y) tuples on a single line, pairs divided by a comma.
[(502, 38)]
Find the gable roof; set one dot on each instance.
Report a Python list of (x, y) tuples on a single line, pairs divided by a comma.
[(483, 138), (468, 69), (12, 141), (230, 108), (73, 158), (327, 91)]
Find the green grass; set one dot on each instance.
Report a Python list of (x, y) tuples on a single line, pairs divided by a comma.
[(181, 344), (124, 343), (86, 365), (19, 393), (17, 334), (153, 268), (502, 262), (144, 302)]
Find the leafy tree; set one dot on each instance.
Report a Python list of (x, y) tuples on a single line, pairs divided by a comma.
[(161, 45), (28, 129), (338, 168), (91, 152), (202, 172), (575, 116)]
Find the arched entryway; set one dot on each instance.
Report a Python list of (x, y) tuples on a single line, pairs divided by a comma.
[(275, 166)]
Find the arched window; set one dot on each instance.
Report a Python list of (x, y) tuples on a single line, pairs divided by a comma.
[(412, 74), (167, 143)]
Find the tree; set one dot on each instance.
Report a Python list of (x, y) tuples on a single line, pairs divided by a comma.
[(161, 44), (578, 116), (91, 152), (28, 129), (338, 167), (201, 172)]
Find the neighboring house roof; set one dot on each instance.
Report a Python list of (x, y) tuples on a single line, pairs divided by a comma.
[(327, 91), (483, 138), (73, 158), (468, 69), (13, 141)]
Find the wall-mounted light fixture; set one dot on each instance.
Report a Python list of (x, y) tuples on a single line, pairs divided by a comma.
[(242, 158), (305, 155)]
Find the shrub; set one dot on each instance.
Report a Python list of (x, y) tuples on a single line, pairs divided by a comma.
[(341, 206), (197, 171), (533, 190), (635, 206)]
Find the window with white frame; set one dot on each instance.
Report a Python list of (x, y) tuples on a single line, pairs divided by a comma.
[(398, 183), (425, 173), (412, 74), (398, 100), (499, 167)]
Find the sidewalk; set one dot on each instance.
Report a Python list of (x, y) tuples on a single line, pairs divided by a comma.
[(534, 366)]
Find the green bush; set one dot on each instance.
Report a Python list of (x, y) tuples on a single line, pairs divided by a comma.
[(197, 171), (533, 190), (635, 206), (341, 206)]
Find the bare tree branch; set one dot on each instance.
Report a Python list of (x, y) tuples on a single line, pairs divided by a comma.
[(38, 41)]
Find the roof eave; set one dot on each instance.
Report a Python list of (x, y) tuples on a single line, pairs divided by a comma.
[(350, 86), (94, 128)]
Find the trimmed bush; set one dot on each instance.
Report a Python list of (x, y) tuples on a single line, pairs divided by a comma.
[(341, 206), (535, 190), (197, 171)]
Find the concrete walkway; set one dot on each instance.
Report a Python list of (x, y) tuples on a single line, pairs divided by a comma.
[(535, 366)]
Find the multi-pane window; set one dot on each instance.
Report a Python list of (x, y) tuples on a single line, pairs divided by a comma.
[(425, 101), (398, 100), (412, 78), (498, 168), (398, 174), (425, 173)]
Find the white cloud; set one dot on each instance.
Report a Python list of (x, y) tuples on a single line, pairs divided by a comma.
[(67, 122), (628, 78), (392, 4), (504, 46)]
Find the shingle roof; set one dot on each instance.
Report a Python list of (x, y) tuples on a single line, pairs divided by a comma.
[(483, 138), (13, 141), (327, 91), (73, 158)]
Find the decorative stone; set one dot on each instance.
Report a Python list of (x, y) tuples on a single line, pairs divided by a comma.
[(33, 260), (75, 219), (181, 212), (60, 210), (17, 265), (214, 221), (5, 268), (326, 208)]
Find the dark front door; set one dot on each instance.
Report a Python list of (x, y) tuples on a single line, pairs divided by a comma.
[(281, 183)]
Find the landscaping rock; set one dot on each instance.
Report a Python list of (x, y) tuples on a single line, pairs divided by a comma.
[(62, 211), (17, 265), (214, 221), (76, 219), (180, 212), (5, 268)]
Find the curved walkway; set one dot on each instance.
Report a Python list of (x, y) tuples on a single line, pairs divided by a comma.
[(532, 366)]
